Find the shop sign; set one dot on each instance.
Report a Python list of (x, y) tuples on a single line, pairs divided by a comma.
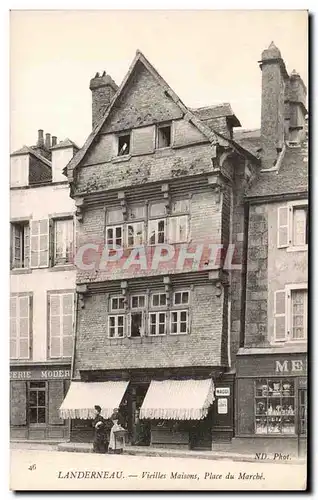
[(222, 391), (40, 374), (289, 366), (222, 406)]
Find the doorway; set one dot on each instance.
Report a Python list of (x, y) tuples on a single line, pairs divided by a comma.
[(139, 430)]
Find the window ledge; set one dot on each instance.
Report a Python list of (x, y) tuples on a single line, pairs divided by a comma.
[(22, 270), (62, 267), (303, 248), (118, 159)]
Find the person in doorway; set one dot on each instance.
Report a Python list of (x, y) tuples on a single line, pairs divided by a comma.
[(117, 434), (100, 443)]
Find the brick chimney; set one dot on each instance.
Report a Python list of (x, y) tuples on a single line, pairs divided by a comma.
[(274, 78), (47, 141), (54, 140), (103, 90), (297, 108), (40, 141)]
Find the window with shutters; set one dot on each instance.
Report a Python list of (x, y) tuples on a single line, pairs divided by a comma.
[(63, 241), (39, 237), (293, 226), (299, 226), (290, 313), (61, 316), (20, 245), (20, 326)]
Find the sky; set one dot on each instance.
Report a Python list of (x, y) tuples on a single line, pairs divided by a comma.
[(206, 56)]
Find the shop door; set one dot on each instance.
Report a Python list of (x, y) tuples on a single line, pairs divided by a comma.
[(140, 429), (37, 409), (201, 433), (302, 422)]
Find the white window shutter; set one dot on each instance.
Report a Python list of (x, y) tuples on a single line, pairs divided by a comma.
[(143, 325), (35, 242), (24, 327), (44, 243), (55, 325), (40, 243), (282, 227), (67, 324), (280, 313), (26, 246), (13, 327)]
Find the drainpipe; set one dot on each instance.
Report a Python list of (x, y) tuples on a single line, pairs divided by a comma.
[(244, 274), (74, 336)]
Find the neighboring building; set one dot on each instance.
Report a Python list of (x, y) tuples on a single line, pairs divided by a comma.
[(42, 283), (158, 341), (272, 362)]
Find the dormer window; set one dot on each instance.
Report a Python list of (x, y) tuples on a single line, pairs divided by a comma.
[(123, 144), (163, 136)]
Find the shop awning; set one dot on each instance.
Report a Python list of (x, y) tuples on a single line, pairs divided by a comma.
[(81, 398), (178, 399)]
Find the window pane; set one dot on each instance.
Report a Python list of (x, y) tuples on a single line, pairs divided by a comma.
[(32, 398), (41, 415), (41, 398), (185, 297), (163, 299), (299, 314), (155, 300), (177, 298), (180, 206), (157, 209), (114, 215), (33, 415)]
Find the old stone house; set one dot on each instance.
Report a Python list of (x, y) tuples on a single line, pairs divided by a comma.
[(161, 316)]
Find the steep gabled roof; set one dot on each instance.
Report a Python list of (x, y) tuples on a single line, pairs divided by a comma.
[(216, 111), (189, 114), (290, 179), (26, 150)]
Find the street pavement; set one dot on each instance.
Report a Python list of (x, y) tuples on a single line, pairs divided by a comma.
[(48, 469)]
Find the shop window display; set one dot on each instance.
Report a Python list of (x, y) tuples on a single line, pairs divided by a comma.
[(274, 406)]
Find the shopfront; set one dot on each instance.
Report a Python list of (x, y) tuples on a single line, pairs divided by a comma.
[(271, 404), (158, 408), (36, 394)]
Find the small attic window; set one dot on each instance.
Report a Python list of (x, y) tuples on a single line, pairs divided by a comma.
[(163, 136), (123, 144)]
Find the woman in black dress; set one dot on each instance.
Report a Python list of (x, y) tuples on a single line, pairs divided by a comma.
[(101, 430)]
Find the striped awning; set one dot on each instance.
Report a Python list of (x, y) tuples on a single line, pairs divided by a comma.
[(81, 398), (178, 399)]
